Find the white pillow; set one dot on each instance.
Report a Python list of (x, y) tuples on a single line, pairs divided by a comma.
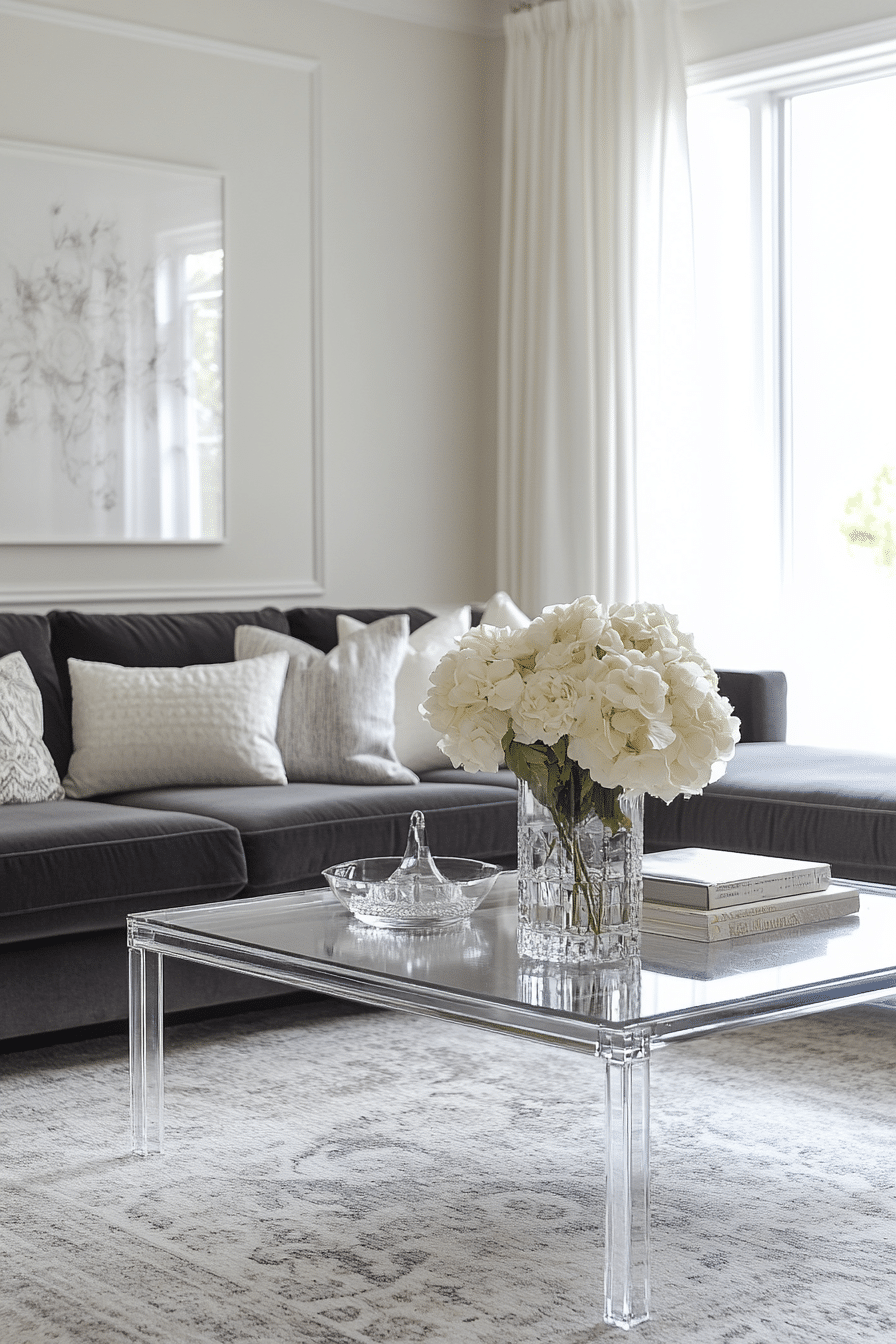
[(416, 741), (502, 611), (336, 721), (27, 772), (155, 727)]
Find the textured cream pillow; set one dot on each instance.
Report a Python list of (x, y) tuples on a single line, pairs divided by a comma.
[(336, 721), (27, 772), (416, 741), (502, 611), (155, 727)]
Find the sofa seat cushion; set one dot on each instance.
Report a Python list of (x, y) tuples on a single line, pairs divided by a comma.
[(291, 834), (776, 798), (76, 867), (498, 779)]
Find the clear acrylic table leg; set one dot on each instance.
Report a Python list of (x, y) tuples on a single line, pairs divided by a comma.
[(627, 1247), (147, 1063)]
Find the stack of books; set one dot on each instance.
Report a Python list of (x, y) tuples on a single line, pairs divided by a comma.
[(711, 894)]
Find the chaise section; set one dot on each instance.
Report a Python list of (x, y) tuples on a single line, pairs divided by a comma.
[(78, 867), (291, 833), (794, 802)]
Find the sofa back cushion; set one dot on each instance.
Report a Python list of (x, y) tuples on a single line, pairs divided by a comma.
[(760, 702), (149, 639), (30, 635), (317, 625)]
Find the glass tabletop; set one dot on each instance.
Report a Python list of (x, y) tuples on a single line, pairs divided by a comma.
[(473, 972)]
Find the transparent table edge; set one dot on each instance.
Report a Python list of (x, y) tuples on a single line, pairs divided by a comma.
[(552, 1025)]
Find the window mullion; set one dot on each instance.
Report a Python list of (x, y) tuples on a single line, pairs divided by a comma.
[(780, 291)]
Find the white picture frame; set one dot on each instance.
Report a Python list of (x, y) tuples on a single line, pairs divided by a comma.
[(111, 339)]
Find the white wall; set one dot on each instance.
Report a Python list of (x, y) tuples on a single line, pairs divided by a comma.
[(408, 498), (410, 203)]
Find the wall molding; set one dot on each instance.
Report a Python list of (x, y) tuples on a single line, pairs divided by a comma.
[(165, 37), (868, 44), (258, 592), (477, 18), (306, 65)]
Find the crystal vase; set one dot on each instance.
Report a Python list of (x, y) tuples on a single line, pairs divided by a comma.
[(580, 891)]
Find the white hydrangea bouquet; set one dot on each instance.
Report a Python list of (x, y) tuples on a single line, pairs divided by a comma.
[(583, 705)]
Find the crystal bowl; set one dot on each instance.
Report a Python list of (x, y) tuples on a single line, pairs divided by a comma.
[(376, 891)]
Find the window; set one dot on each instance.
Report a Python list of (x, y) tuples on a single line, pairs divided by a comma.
[(790, 479), (189, 307)]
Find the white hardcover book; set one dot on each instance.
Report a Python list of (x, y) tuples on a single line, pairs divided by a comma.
[(708, 879), (739, 921)]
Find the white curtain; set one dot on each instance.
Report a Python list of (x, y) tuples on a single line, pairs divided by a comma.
[(595, 164)]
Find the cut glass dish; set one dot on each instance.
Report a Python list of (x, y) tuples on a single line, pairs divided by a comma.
[(413, 892)]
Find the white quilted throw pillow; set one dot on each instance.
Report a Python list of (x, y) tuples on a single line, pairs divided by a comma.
[(27, 772), (158, 727)]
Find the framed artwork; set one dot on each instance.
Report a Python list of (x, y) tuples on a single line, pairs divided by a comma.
[(111, 337)]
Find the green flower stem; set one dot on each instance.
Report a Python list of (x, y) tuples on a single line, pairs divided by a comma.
[(571, 796), (582, 885)]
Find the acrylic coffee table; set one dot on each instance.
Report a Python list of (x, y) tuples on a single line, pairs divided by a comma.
[(473, 974)]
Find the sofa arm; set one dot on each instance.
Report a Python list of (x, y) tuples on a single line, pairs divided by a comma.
[(760, 702)]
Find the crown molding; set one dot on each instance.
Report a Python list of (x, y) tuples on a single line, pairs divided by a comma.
[(142, 32), (866, 42), (477, 18)]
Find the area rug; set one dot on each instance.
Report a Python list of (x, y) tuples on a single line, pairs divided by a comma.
[(337, 1176)]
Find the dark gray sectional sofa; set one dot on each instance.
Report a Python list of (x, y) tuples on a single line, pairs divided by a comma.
[(71, 871)]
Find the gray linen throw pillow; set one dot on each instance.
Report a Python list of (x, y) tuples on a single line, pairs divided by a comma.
[(337, 714)]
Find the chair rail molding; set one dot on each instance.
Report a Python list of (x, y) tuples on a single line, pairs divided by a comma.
[(258, 593), (309, 67)]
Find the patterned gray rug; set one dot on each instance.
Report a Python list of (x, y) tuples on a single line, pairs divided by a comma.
[(342, 1177)]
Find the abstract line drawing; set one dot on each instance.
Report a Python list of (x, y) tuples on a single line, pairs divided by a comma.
[(111, 394), (64, 351)]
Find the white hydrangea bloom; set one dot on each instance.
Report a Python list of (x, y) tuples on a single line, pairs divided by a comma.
[(624, 689)]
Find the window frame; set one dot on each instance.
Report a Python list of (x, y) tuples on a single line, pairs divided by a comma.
[(765, 80)]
